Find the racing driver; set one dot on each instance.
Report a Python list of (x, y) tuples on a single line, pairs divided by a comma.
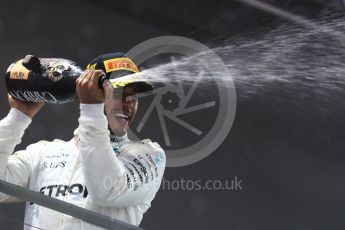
[(100, 168)]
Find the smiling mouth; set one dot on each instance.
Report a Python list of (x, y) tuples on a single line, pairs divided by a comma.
[(121, 116)]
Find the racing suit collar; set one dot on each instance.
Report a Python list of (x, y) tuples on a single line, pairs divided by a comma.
[(115, 139)]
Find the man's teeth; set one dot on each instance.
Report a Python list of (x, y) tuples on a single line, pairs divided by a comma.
[(121, 116)]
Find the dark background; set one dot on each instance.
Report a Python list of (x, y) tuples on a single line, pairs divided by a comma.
[(292, 167)]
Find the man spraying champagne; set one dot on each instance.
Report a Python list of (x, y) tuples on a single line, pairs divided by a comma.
[(100, 168)]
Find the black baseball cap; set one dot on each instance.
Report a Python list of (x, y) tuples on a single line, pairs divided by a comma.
[(117, 65)]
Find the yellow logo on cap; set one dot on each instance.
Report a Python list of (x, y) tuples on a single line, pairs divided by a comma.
[(119, 84), (120, 64), (89, 66)]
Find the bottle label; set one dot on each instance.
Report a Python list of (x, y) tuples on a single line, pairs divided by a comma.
[(33, 96), (18, 71), (54, 71)]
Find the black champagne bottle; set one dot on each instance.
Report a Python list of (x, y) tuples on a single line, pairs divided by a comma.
[(50, 80)]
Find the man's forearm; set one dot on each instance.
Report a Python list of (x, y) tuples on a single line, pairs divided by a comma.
[(12, 128), (98, 159)]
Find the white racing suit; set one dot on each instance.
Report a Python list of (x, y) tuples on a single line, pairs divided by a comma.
[(117, 179)]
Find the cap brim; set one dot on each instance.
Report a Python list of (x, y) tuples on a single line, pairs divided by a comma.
[(140, 86)]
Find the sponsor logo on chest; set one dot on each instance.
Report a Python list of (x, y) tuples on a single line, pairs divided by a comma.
[(58, 190)]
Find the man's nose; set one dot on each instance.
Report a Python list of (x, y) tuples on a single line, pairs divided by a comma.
[(128, 101)]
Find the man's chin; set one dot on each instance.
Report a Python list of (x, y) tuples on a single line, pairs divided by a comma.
[(118, 132)]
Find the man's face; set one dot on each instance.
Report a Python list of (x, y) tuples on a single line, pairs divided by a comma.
[(121, 109)]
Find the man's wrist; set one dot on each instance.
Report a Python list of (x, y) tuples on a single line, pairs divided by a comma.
[(92, 110), (19, 118)]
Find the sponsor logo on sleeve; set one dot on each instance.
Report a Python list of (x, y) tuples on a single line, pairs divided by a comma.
[(142, 169), (129, 181), (147, 163), (153, 163), (135, 168)]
